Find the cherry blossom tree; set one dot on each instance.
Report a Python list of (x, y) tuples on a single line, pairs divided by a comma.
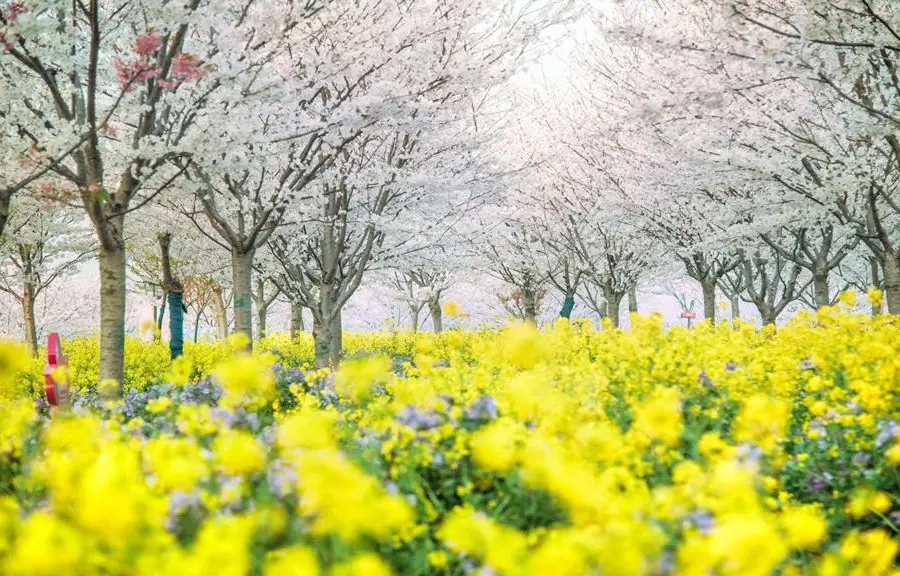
[(42, 244), (109, 97)]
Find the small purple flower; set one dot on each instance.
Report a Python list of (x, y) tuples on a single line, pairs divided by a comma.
[(417, 420), (179, 503), (818, 427), (281, 478), (484, 408), (887, 431), (702, 520), (133, 403), (860, 459), (815, 484), (704, 379), (367, 440), (468, 566), (749, 453), (730, 366), (205, 391), (223, 416), (807, 364), (267, 436), (666, 564), (41, 406)]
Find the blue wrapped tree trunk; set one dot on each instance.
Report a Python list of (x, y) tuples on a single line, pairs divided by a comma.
[(176, 324), (567, 307), (174, 296)]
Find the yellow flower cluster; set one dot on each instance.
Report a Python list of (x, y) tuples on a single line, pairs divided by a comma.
[(565, 451)]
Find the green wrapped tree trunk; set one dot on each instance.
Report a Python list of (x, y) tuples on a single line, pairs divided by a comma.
[(174, 296), (567, 307), (176, 324)]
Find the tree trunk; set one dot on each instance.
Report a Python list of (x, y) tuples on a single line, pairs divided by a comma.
[(176, 324), (261, 314), (821, 293), (159, 319), (529, 302), (567, 307), (768, 316), (709, 301), (414, 317), (320, 342), (297, 327), (437, 315), (614, 306), (174, 295), (892, 283), (28, 316), (336, 339), (5, 201), (632, 299), (197, 326), (242, 275), (736, 307), (325, 321), (876, 282), (220, 313), (112, 310)]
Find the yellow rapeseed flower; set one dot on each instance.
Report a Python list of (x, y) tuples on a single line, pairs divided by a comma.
[(293, 561), (804, 527), (367, 564), (494, 446), (355, 378), (239, 453)]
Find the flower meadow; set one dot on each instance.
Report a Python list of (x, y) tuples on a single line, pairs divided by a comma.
[(569, 450)]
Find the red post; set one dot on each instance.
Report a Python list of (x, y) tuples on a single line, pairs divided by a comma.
[(688, 315), (57, 392)]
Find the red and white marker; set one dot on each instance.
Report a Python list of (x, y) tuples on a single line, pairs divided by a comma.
[(57, 392)]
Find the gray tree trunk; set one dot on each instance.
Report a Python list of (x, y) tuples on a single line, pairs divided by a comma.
[(157, 335), (892, 283), (736, 307), (242, 275), (437, 315), (321, 335), (261, 316), (614, 307), (327, 341), (709, 301), (28, 316), (336, 340), (297, 326), (529, 302), (197, 326), (876, 282), (632, 299), (112, 311), (221, 313), (326, 321), (821, 292), (414, 317), (5, 201)]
